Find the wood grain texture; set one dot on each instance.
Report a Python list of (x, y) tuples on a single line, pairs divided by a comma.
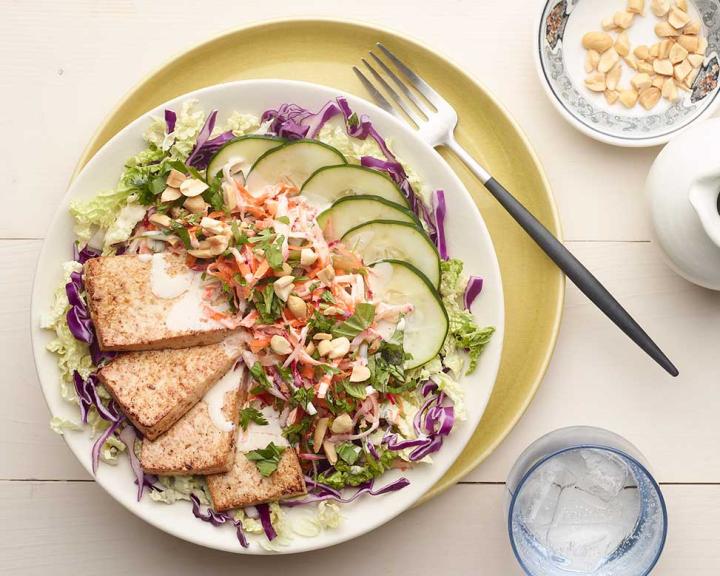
[(82, 531), (64, 65)]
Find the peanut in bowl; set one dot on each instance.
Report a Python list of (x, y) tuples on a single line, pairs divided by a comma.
[(630, 72)]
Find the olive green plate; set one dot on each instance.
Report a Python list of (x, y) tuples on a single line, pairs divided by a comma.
[(323, 51)]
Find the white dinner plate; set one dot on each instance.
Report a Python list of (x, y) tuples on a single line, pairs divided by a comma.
[(467, 237)]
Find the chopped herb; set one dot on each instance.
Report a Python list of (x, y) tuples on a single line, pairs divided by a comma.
[(250, 414), (258, 374), (285, 373), (213, 195), (359, 321), (266, 459), (354, 389), (387, 366), (320, 323), (303, 396), (294, 432), (239, 237), (338, 404), (268, 306), (181, 232), (328, 297), (283, 219), (345, 474)]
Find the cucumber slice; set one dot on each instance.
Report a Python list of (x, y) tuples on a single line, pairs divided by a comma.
[(397, 282), (351, 211), (387, 239), (291, 162), (328, 184), (246, 150)]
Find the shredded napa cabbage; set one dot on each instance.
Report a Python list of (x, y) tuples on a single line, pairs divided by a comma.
[(465, 336), (71, 354), (241, 124), (334, 134), (60, 425), (326, 516), (175, 488)]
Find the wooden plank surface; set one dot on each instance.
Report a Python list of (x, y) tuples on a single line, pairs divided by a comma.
[(63, 66), (75, 529)]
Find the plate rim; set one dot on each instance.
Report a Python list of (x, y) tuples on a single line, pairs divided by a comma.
[(554, 224), (37, 332)]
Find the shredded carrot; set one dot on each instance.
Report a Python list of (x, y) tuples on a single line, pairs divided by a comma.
[(258, 344)]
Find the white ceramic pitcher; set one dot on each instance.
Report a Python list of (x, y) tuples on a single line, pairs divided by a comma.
[(683, 188)]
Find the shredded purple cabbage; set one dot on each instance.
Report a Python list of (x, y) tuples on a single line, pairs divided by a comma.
[(206, 147), (266, 521), (85, 254), (323, 492), (432, 423), (128, 435), (78, 317), (294, 122), (170, 119), (218, 519), (88, 396), (472, 290), (439, 210), (101, 441)]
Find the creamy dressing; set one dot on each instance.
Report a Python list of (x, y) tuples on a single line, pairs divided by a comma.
[(257, 437), (188, 312), (145, 257), (215, 398), (162, 284)]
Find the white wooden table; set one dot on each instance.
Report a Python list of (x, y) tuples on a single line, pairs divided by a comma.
[(63, 65)]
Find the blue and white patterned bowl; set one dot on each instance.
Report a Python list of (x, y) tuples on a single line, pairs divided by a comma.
[(560, 59)]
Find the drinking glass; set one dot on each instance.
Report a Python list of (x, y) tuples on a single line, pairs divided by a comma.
[(581, 500)]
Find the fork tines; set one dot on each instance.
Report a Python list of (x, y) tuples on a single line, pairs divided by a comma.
[(424, 99)]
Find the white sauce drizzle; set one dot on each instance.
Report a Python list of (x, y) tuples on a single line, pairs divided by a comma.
[(165, 286), (257, 437), (215, 398)]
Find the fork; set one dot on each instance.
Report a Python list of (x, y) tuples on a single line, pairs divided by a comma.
[(435, 120)]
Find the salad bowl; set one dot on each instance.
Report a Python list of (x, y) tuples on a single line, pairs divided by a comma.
[(467, 239)]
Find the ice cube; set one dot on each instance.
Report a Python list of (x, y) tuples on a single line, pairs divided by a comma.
[(579, 548), (561, 470), (537, 503), (606, 474)]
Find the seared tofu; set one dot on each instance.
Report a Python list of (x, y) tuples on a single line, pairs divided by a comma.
[(243, 485), (148, 302), (203, 440), (154, 389)]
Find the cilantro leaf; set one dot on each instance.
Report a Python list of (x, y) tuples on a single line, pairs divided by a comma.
[(359, 321), (250, 414), (268, 306), (258, 374), (320, 323), (354, 389), (294, 432), (266, 459), (181, 232), (302, 397)]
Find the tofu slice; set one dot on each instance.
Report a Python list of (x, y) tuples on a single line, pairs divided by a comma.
[(203, 440), (243, 485), (144, 302), (154, 389)]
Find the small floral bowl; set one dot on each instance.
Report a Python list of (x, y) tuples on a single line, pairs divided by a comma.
[(560, 60)]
